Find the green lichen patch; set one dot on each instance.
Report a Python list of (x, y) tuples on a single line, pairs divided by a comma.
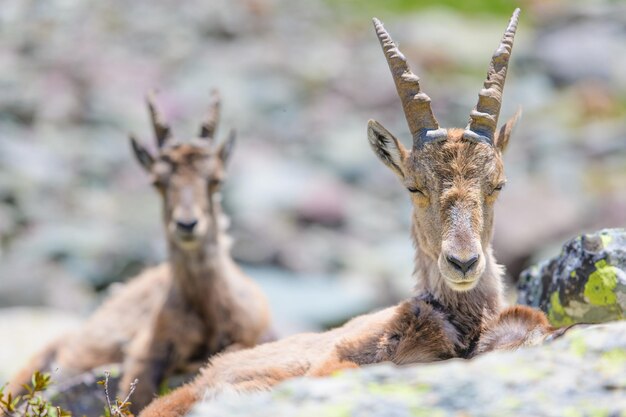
[(428, 412), (400, 391), (578, 346), (599, 289), (556, 312), (337, 410), (616, 357), (572, 412), (606, 239), (599, 412)]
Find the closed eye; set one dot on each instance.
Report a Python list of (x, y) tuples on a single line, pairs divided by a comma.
[(415, 191), (498, 187)]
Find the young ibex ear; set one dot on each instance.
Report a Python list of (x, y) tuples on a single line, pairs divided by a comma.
[(386, 147), (504, 134), (143, 156), (226, 147)]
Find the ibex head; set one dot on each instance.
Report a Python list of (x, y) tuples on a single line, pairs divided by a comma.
[(454, 175), (188, 176)]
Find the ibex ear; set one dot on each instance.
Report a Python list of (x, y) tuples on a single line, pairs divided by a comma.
[(143, 156), (226, 147), (502, 140), (386, 147)]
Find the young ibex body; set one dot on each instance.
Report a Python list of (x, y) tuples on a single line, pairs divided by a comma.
[(172, 317), (454, 177)]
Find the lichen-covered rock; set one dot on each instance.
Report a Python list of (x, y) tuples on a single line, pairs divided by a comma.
[(586, 283), (581, 374)]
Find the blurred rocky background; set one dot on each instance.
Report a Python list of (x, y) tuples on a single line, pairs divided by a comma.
[(316, 218)]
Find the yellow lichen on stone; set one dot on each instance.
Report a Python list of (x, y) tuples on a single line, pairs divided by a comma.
[(402, 391), (600, 285), (572, 412), (337, 410), (427, 412), (606, 239), (556, 312), (615, 357), (578, 346)]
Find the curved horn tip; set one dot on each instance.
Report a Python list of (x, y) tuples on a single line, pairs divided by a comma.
[(516, 13), (512, 26)]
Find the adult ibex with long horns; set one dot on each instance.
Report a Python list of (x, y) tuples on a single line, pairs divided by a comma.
[(454, 177)]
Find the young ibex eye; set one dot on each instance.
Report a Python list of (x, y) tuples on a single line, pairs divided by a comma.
[(215, 183)]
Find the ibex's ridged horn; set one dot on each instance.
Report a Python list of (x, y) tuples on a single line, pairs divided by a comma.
[(209, 125), (161, 129), (416, 104), (484, 118)]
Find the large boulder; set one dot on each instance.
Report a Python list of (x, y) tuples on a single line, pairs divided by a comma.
[(580, 374), (586, 283)]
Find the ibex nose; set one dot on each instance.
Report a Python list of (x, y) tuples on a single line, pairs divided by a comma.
[(186, 226), (460, 265)]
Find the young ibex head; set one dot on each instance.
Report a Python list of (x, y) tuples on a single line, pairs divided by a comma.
[(188, 176), (453, 175)]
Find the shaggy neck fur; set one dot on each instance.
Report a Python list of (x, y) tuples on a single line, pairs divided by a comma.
[(200, 274), (468, 310)]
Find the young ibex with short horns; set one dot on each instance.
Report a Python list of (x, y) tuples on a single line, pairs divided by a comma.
[(454, 177), (173, 317)]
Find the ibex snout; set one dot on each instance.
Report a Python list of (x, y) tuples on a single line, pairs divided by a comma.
[(461, 260), (462, 265), (186, 226), (188, 231), (189, 221)]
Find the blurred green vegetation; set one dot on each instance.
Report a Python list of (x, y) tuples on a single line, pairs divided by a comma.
[(369, 7)]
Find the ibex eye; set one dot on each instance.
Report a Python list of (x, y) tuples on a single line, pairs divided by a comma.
[(498, 187), (415, 190)]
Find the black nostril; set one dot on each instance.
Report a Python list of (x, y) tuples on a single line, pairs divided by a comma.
[(186, 226), (462, 266)]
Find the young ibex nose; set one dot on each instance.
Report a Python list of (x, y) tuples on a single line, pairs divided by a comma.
[(186, 226), (460, 265)]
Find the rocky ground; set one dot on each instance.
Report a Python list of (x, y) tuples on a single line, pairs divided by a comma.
[(582, 374), (299, 81)]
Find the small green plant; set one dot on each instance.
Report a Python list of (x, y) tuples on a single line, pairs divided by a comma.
[(117, 407), (31, 404)]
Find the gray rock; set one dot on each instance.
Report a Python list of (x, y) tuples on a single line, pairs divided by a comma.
[(581, 374), (585, 283), (84, 395)]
